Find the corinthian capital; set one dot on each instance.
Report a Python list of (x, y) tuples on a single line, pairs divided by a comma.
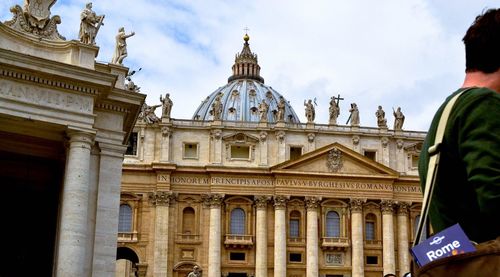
[(261, 201), (162, 198), (213, 200), (356, 204), (403, 208), (387, 206), (280, 202), (312, 203)]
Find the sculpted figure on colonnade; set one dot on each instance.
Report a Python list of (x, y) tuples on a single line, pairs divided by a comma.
[(121, 46), (90, 23)]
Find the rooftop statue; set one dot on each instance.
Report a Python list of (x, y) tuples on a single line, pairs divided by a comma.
[(263, 109), (310, 111), (148, 115), (34, 18), (89, 25), (381, 120), (354, 117), (217, 107), (281, 109), (121, 46), (334, 109), (167, 106), (399, 119)]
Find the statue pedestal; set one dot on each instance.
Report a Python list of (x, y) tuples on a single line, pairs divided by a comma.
[(263, 124), (332, 126), (216, 123), (310, 125), (383, 130), (355, 128), (165, 119)]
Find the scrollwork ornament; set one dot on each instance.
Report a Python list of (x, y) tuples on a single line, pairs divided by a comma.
[(162, 198), (403, 208), (280, 202), (334, 160), (280, 136), (263, 136), (212, 200)]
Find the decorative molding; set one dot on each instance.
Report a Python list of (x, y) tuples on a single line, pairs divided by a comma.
[(356, 204), (387, 206), (54, 83), (400, 143), (280, 202), (216, 134), (312, 202), (166, 131), (111, 107), (334, 160), (162, 198), (384, 141), (34, 19), (261, 201)]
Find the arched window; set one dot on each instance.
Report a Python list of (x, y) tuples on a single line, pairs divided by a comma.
[(125, 219), (188, 220), (294, 224), (370, 221), (332, 224), (237, 222)]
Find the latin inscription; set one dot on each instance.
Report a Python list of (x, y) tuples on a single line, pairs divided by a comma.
[(242, 181), (44, 97)]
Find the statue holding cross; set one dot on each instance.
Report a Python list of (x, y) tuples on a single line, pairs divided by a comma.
[(334, 109)]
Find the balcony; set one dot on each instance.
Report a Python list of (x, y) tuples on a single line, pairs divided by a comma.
[(373, 243), (239, 241), (335, 243), (127, 237), (296, 241), (188, 239)]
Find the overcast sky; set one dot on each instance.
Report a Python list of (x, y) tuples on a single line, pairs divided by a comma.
[(394, 53)]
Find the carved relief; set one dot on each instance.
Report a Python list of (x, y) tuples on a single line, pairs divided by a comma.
[(334, 160), (216, 134), (263, 136), (33, 18), (384, 141), (162, 198), (355, 140), (399, 143), (387, 206), (311, 137), (166, 131)]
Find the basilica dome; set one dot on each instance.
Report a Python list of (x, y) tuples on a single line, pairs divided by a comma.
[(245, 91)]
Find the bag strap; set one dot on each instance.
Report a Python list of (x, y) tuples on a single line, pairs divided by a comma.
[(434, 153)]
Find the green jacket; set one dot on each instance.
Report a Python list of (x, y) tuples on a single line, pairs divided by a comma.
[(467, 187)]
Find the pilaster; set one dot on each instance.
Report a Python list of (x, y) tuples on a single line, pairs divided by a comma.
[(214, 201), (280, 235), (356, 206), (312, 204), (387, 207), (403, 242)]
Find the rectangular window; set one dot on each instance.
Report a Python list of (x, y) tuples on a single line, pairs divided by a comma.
[(295, 152), (294, 228), (295, 257), (372, 260), (414, 161), (132, 144), (237, 256), (370, 230), (240, 152), (190, 151), (370, 154)]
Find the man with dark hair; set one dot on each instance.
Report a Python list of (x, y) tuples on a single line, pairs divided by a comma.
[(467, 188)]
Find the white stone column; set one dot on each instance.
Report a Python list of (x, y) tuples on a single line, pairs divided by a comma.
[(214, 237), (280, 236), (403, 243), (108, 208), (263, 148), (261, 236), (161, 200), (387, 207), (312, 269), (358, 265), (216, 153), (166, 133), (72, 234)]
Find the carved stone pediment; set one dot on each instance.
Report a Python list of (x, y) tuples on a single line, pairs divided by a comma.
[(241, 138), (335, 159)]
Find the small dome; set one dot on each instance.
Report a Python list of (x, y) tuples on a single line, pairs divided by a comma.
[(240, 102)]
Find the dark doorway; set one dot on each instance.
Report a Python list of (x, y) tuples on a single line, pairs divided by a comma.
[(237, 275), (30, 188)]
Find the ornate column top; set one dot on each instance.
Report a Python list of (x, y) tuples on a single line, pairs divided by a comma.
[(387, 206), (261, 201), (312, 203), (403, 208), (356, 204), (213, 200), (162, 198), (280, 202)]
